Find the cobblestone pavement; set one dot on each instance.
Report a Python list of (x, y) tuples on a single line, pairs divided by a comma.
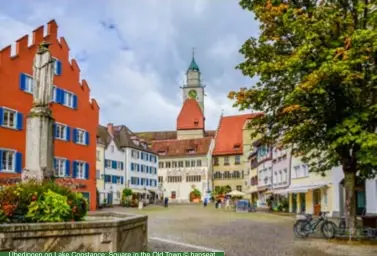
[(179, 227)]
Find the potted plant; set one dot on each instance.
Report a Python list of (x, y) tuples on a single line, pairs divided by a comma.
[(195, 195), (125, 196)]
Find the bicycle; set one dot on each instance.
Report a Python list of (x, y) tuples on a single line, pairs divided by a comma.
[(304, 227)]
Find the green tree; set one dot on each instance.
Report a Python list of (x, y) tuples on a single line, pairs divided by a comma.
[(316, 64)]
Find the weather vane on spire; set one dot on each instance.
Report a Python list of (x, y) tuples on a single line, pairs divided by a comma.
[(193, 52)]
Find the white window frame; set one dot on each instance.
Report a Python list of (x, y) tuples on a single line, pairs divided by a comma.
[(28, 84), (61, 166), (53, 95), (119, 165), (68, 99), (55, 66), (107, 163), (12, 111), (119, 180), (80, 134), (64, 132), (8, 152), (80, 170)]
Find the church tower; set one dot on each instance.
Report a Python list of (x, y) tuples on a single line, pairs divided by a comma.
[(194, 89)]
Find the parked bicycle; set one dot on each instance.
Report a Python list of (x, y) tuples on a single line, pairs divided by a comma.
[(306, 226)]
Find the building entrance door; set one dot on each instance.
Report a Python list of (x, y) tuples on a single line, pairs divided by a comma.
[(294, 203), (317, 201), (302, 202)]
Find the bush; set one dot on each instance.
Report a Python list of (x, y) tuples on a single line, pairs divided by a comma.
[(41, 202), (196, 193)]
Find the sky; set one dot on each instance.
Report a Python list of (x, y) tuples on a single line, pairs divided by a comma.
[(134, 53)]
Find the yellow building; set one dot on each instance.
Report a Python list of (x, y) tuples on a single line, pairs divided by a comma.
[(311, 192), (228, 155), (100, 170)]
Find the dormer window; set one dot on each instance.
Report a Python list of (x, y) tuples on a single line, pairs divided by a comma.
[(136, 142), (237, 146), (196, 123), (190, 151), (161, 152)]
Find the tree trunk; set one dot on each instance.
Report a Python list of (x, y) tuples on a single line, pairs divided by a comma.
[(349, 184)]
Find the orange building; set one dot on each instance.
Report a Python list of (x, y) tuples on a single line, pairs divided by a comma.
[(76, 115)]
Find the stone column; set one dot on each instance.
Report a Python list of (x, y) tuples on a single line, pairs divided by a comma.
[(39, 124)]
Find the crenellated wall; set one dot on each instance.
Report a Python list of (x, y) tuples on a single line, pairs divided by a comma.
[(83, 114)]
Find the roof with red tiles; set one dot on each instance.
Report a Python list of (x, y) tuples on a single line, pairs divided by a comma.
[(175, 148), (191, 116), (229, 135)]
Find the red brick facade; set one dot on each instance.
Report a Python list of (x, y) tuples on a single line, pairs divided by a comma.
[(76, 115)]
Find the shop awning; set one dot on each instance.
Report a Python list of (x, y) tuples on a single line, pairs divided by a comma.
[(305, 188), (252, 190), (279, 192), (139, 191)]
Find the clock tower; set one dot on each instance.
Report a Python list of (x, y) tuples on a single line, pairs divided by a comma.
[(194, 89)]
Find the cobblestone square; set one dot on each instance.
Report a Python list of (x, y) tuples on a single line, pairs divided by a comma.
[(189, 227)]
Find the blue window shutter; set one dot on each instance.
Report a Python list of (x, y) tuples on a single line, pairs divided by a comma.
[(121, 180), (113, 164), (67, 171), (74, 101), (68, 135), (74, 135), (138, 167), (74, 165), (62, 95), (147, 182), (114, 179), (1, 156), (86, 138), (132, 166), (18, 162), (58, 95), (138, 181), (58, 67), (121, 166), (20, 121), (1, 116), (87, 171), (22, 81)]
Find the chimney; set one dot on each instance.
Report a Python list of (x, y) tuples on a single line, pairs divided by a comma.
[(110, 129)]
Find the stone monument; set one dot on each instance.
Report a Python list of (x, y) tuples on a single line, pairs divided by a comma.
[(39, 123)]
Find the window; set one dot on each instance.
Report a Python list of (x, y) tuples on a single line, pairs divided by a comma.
[(239, 188), (215, 161), (107, 163), (226, 160), (160, 179), (68, 99), (174, 179), (193, 178), (57, 67), (173, 195), (98, 155), (193, 163), (98, 174), (120, 165), (161, 165), (26, 83), (61, 167), (199, 163), (11, 118), (236, 175), (174, 164), (187, 163), (81, 136), (81, 170), (226, 175), (180, 164), (168, 164), (10, 161), (217, 176), (237, 160), (118, 194), (62, 132)]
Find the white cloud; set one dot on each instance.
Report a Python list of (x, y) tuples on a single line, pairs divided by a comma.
[(134, 53)]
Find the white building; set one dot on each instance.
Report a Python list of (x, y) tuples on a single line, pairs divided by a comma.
[(129, 162), (264, 159), (371, 196), (281, 166)]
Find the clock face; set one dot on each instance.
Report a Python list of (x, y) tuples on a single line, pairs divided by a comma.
[(192, 94)]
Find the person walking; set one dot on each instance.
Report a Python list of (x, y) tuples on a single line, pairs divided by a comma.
[(166, 202), (205, 202), (227, 205)]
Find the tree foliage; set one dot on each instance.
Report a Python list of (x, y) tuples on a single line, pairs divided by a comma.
[(316, 62)]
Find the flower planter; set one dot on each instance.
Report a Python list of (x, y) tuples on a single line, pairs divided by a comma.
[(100, 232), (196, 200)]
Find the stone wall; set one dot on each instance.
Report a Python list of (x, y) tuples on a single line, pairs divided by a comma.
[(100, 232)]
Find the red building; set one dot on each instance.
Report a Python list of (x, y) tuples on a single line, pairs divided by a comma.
[(76, 115)]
